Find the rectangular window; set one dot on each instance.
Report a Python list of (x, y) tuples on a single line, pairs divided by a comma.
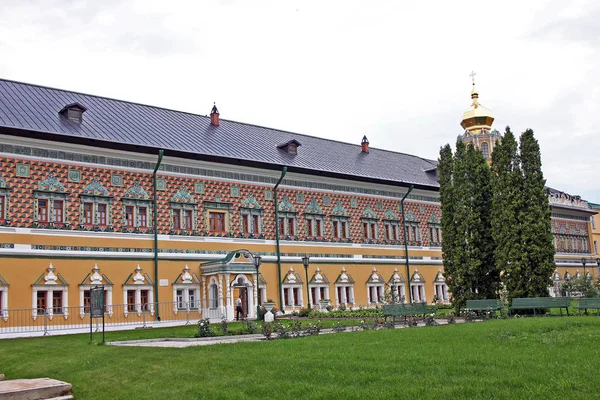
[(176, 219), (188, 217), (192, 299), (296, 296), (57, 302), (213, 296), (336, 233), (344, 230), (311, 228), (180, 301), (2, 204), (313, 295), (41, 302), (286, 297), (318, 228), (88, 213), (57, 211), (322, 293), (291, 227), (131, 300), (281, 226), (366, 230), (129, 216), (373, 231), (217, 221), (245, 223), (43, 210), (87, 295), (255, 224), (102, 214), (143, 217), (144, 299)]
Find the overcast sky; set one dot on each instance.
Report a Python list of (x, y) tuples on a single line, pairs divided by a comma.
[(396, 71)]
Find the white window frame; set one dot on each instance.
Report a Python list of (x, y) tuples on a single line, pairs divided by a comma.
[(398, 292), (250, 213), (213, 297), (286, 225), (311, 225), (4, 300), (441, 291), (343, 225), (318, 287), (95, 200), (419, 289), (339, 301), (50, 197), (183, 207), (375, 290), (138, 298), (371, 222), (108, 293), (50, 289), (136, 204), (290, 287), (188, 290)]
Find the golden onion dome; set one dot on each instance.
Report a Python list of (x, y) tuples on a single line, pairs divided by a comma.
[(477, 117)]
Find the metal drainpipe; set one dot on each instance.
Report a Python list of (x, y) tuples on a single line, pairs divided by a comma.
[(283, 172), (406, 244), (160, 156)]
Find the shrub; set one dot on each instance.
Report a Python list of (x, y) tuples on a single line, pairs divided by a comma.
[(224, 325), (295, 329), (389, 324), (430, 320), (469, 316), (251, 327), (367, 325), (313, 328), (204, 328), (267, 330), (451, 318), (282, 331), (304, 312), (339, 327)]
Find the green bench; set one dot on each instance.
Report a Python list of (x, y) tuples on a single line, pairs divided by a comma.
[(484, 305), (536, 303), (406, 310), (586, 303)]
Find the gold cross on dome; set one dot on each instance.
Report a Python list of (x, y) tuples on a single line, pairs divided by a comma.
[(472, 75)]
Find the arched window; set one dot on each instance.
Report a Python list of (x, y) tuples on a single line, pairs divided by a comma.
[(485, 150)]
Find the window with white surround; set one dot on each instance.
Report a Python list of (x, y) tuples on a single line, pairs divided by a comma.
[(435, 231), (314, 219), (375, 288), (291, 289), (440, 288), (186, 292), (251, 216), (369, 224), (96, 207), (50, 295), (397, 287), (3, 299), (287, 223), (137, 209), (344, 289), (138, 293), (318, 288), (417, 288), (340, 222), (184, 212), (391, 226), (413, 230), (50, 203), (92, 280)]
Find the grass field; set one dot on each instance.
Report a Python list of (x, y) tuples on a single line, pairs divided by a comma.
[(512, 359)]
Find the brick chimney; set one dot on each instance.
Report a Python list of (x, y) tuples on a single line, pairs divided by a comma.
[(365, 144), (214, 116)]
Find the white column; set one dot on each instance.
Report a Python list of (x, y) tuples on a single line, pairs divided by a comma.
[(220, 281), (301, 296), (255, 297), (65, 303), (228, 291), (343, 300), (352, 295), (34, 304), (81, 307), (138, 300), (109, 301), (49, 308), (204, 301)]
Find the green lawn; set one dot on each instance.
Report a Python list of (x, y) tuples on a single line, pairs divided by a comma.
[(523, 358)]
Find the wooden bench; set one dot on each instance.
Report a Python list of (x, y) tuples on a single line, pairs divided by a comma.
[(484, 305), (536, 303), (586, 303), (406, 310)]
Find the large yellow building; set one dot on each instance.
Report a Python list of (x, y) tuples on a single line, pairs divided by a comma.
[(81, 176)]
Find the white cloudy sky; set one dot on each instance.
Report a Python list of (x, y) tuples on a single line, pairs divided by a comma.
[(396, 71)]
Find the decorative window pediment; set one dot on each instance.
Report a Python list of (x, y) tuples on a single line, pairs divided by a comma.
[(95, 278), (369, 213), (567, 276), (2, 183), (339, 210), (137, 278), (390, 215), (417, 277), (51, 278), (375, 278), (313, 207), (319, 278), (51, 184), (396, 278), (434, 220), (136, 192), (292, 278), (250, 202), (183, 196), (185, 278), (411, 217), (440, 277), (95, 188), (556, 276), (285, 205), (344, 278)]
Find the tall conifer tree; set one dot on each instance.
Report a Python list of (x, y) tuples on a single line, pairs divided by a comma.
[(506, 203), (445, 167), (461, 281), (537, 259)]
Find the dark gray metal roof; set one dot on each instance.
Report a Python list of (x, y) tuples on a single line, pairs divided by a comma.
[(36, 109)]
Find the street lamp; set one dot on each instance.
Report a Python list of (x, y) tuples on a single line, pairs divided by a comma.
[(584, 274), (597, 266), (257, 265), (306, 262)]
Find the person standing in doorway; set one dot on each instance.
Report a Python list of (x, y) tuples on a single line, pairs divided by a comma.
[(238, 308)]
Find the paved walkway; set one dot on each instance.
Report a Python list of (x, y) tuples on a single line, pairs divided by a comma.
[(188, 342)]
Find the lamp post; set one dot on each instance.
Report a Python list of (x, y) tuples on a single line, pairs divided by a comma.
[(406, 245), (597, 267), (257, 265), (584, 271), (306, 262)]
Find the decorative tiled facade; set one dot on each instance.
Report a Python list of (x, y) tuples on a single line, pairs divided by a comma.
[(203, 193)]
